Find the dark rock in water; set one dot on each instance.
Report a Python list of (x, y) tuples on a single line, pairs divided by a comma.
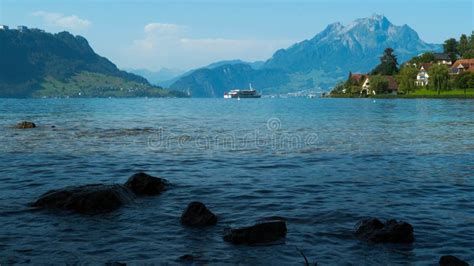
[(197, 214), (98, 198), (449, 260), (392, 231), (25, 124), (257, 234), (89, 199), (144, 184), (187, 257), (116, 263)]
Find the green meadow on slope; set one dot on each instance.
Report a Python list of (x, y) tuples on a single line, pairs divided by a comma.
[(39, 64)]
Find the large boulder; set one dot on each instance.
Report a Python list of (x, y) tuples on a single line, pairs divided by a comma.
[(392, 231), (197, 214), (144, 185), (25, 124), (449, 260), (261, 233), (90, 199)]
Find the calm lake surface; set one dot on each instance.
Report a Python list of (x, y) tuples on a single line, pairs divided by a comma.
[(321, 164)]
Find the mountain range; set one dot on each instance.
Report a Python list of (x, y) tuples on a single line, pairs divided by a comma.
[(162, 77), (39, 64), (317, 63), (165, 76)]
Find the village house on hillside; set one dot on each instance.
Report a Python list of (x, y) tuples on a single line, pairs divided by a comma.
[(366, 88), (18, 28), (462, 65), (391, 89), (422, 76), (442, 58), (22, 28), (357, 78)]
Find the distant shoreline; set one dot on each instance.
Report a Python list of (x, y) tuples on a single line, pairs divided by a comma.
[(338, 96), (421, 94), (388, 96)]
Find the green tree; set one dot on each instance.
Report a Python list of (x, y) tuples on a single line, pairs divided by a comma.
[(424, 58), (469, 53), (463, 45), (464, 81), (388, 64), (438, 77), (378, 83), (450, 47), (470, 82), (339, 88), (406, 78), (355, 89)]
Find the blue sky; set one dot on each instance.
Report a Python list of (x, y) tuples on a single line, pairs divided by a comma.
[(185, 34)]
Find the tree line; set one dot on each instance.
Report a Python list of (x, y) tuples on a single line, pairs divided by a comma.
[(439, 78), (406, 74), (462, 48)]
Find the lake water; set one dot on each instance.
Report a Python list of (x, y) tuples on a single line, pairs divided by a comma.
[(321, 164)]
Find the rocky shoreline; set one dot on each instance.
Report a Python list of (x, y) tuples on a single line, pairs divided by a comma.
[(99, 198)]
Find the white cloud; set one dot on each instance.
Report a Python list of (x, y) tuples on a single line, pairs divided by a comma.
[(157, 37), (162, 28), (167, 45), (60, 20)]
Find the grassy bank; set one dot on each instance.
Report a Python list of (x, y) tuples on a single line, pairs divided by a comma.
[(423, 93), (89, 84)]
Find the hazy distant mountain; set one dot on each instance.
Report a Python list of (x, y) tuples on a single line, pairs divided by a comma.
[(157, 77), (324, 59), (213, 82), (38, 64), (166, 77), (167, 83), (254, 65)]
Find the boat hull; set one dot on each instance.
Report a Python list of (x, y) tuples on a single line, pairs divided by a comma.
[(251, 93), (241, 96)]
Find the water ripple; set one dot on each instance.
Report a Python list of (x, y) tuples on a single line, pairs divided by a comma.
[(393, 159)]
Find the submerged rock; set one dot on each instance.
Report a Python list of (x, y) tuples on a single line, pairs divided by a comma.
[(392, 231), (25, 124), (188, 257), (116, 263), (197, 214), (96, 198), (261, 233), (144, 184), (450, 260)]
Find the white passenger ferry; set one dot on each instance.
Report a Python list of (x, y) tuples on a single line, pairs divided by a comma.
[(237, 93)]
